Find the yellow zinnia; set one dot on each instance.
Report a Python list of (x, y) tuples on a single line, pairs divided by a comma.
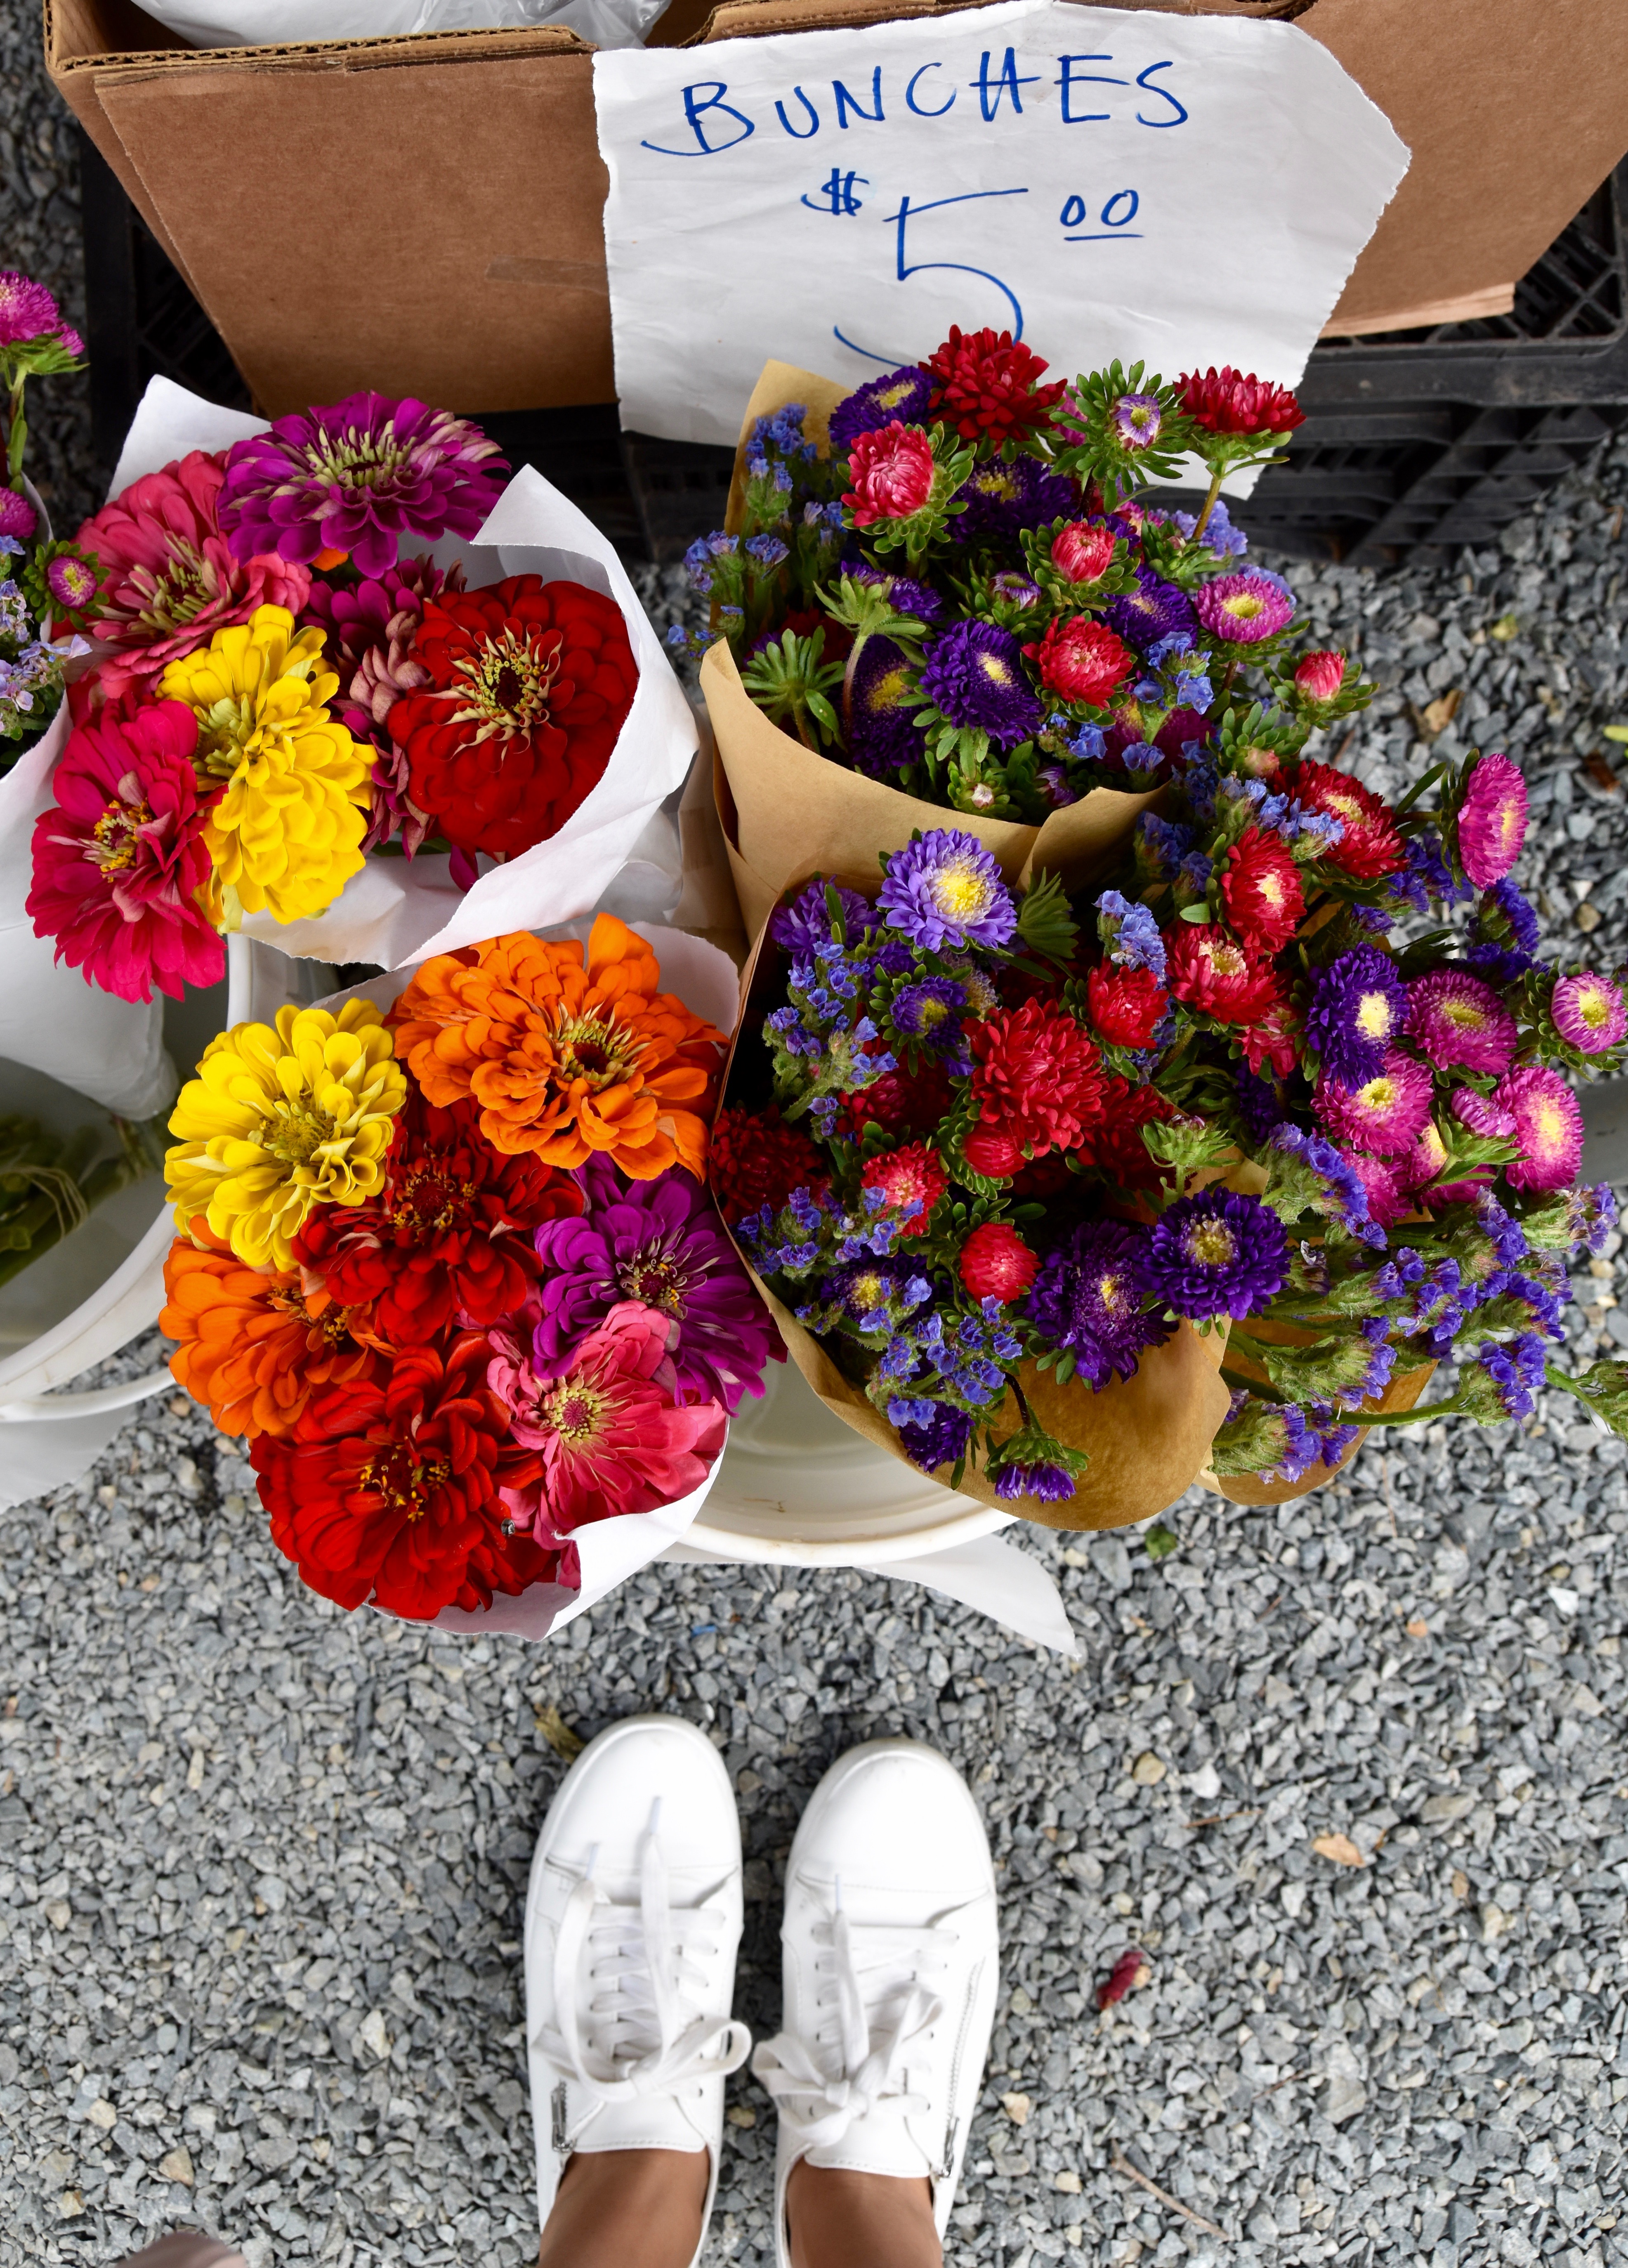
[(278, 1122), (286, 835)]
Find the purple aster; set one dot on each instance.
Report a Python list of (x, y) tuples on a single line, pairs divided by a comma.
[(934, 1434), (1053, 781), (1047, 1483), (1359, 1006), (974, 676), (356, 478), (931, 1011), (1456, 1021), (1518, 921), (1219, 1253), (1015, 589), (907, 595), (1004, 497), (1153, 611), (1137, 419), (1086, 1301), (17, 516), (1259, 1104), (803, 926), (945, 891), (882, 702), (27, 311), (902, 394), (72, 582), (1246, 608)]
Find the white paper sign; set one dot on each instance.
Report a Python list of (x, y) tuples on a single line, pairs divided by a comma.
[(1180, 190)]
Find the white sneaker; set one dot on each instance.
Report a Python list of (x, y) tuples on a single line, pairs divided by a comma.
[(632, 1924), (891, 1958)]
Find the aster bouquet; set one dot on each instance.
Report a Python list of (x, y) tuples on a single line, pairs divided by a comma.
[(34, 342), (1004, 1162), (448, 1264), (941, 591), (322, 713)]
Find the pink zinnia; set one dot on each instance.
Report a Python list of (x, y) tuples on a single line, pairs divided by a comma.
[(1244, 608), (17, 516), (169, 581), (27, 311), (610, 1436), (1548, 1125), (1588, 1011), (1386, 1114), (1491, 821), (1459, 1022), (1388, 1203), (118, 866), (892, 473)]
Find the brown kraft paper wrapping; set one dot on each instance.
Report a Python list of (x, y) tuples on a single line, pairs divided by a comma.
[(1402, 1392), (1147, 1437), (790, 813)]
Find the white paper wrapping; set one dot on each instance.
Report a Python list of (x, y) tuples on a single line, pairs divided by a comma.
[(398, 910), (51, 1019), (1100, 181), (270, 23)]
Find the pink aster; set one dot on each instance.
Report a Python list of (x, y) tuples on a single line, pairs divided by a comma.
[(1588, 1011), (1548, 1125), (1244, 608), (1481, 1114), (1491, 821), (27, 311), (892, 473), (609, 1434), (17, 516), (118, 865), (1387, 1202), (169, 580), (1386, 1114), (1426, 1159), (1459, 1022)]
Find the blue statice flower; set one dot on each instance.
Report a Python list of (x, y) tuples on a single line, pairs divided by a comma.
[(767, 551), (1516, 1370), (1314, 1438), (1130, 934), (946, 892), (931, 1433), (1348, 1201), (1046, 1482), (1426, 874), (1591, 1216), (1088, 744), (1165, 843), (1177, 677), (1372, 917), (1222, 538), (1195, 870), (1141, 757), (1523, 922)]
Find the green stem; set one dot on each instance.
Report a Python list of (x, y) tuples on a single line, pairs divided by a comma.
[(1210, 501), (18, 431)]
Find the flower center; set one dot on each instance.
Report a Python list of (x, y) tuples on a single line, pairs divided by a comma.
[(960, 891), (1465, 1016), (930, 1012), (998, 481), (295, 1133), (867, 1293), (114, 834), (355, 460), (1211, 1244), (1373, 1016), (1110, 1292), (1379, 1094), (994, 668), (576, 1411), (656, 1278), (335, 1325), (427, 1200), (404, 1479), (599, 1053), (508, 683), (1594, 1009), (1243, 606), (225, 729), (889, 397), (889, 691), (1548, 1123)]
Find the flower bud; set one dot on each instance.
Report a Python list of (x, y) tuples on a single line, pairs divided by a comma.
[(1319, 676)]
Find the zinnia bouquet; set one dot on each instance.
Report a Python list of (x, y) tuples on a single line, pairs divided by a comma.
[(35, 571), (290, 686), (992, 1151), (452, 1269)]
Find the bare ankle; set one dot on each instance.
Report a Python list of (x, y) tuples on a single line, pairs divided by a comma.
[(843, 2219), (628, 2209)]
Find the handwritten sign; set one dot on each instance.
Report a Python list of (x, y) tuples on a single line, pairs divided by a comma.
[(1099, 181)]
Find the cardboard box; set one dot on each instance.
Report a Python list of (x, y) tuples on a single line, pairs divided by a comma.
[(424, 215)]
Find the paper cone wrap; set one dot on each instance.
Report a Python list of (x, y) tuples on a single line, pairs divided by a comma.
[(1402, 1392)]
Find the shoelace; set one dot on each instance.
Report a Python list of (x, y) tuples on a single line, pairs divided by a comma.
[(874, 2057), (644, 2040)]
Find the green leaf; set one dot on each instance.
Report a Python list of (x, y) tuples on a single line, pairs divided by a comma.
[(1160, 1543)]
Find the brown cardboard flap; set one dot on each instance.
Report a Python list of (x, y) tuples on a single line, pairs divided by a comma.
[(1248, 1488)]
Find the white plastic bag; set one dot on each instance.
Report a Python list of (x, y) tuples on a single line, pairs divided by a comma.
[(272, 23)]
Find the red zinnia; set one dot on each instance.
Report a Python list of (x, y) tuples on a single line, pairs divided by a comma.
[(1116, 1141), (1081, 660), (1261, 890), (912, 1180), (901, 1102), (448, 1240), (1226, 402), (754, 1159), (1370, 845), (530, 684), (1214, 974), (1125, 1003), (388, 1489), (1038, 1075), (996, 1263), (986, 385)]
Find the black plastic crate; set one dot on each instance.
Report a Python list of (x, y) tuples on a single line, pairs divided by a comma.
[(1415, 441)]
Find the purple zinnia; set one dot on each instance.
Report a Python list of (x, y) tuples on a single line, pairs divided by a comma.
[(1086, 1301), (902, 394), (1004, 497), (1219, 1253), (945, 891), (974, 676), (882, 702), (17, 516), (803, 927), (1245, 607), (357, 477), (662, 1243), (1358, 1005), (935, 1439), (27, 311), (1459, 1022), (1154, 610)]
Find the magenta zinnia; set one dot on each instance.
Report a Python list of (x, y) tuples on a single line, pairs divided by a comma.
[(356, 478), (1588, 1011), (1548, 1125), (118, 865), (1491, 821), (1385, 1114), (1459, 1022)]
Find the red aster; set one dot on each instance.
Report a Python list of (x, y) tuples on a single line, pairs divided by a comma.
[(996, 1263), (530, 684), (989, 1152), (1275, 1038), (912, 1180), (1038, 1075), (1214, 974), (1261, 890), (448, 1239), (1226, 402), (907, 1102), (1370, 846), (1116, 1142), (1126, 1005), (986, 385), (1080, 659), (388, 1489), (754, 1159)]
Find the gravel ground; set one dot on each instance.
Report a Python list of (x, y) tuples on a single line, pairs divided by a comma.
[(1351, 1772)]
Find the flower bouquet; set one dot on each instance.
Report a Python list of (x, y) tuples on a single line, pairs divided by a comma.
[(323, 713), (447, 1261), (939, 592)]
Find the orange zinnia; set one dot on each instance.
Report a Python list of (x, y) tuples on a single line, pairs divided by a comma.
[(566, 1054), (252, 1347)]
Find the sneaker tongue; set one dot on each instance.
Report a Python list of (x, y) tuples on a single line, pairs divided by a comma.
[(881, 2142)]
